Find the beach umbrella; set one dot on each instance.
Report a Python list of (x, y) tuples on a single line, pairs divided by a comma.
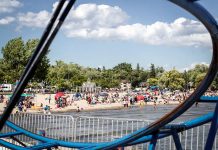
[(22, 95), (140, 97), (58, 94)]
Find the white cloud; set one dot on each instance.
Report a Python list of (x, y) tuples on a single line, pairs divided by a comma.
[(180, 32), (31, 19), (9, 5), (6, 20), (111, 22)]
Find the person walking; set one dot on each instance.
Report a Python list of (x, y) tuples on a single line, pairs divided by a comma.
[(49, 98)]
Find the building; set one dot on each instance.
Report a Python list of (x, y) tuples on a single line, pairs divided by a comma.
[(88, 86)]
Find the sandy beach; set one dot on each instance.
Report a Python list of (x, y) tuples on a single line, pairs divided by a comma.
[(42, 99)]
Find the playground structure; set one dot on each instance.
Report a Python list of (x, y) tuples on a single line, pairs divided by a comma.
[(150, 133)]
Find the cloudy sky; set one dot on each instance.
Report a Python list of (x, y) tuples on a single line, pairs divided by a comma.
[(107, 32)]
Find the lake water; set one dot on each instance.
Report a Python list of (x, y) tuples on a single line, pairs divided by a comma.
[(147, 112)]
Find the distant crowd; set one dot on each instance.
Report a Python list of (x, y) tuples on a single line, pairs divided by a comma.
[(127, 98)]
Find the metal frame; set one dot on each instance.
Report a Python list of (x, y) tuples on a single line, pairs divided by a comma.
[(151, 130), (48, 142)]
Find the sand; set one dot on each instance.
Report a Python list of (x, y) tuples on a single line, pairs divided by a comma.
[(82, 104)]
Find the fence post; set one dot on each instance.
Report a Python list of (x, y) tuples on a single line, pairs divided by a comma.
[(176, 140), (213, 129), (153, 141)]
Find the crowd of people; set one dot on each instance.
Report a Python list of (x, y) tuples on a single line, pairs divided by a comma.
[(126, 98), (131, 97), (24, 103)]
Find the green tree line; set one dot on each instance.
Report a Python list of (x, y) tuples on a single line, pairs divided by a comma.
[(16, 53)]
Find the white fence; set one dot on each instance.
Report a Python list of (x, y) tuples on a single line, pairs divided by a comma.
[(93, 129)]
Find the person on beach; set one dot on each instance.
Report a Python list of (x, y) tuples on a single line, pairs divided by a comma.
[(127, 103), (47, 110), (24, 108), (155, 105), (140, 103), (72, 99), (196, 104), (89, 100), (20, 106), (131, 100), (49, 98), (1, 98), (124, 103), (78, 109)]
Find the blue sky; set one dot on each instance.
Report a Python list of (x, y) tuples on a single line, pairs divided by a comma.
[(107, 32)]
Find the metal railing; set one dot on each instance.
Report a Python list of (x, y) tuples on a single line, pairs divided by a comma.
[(55, 126), (95, 129)]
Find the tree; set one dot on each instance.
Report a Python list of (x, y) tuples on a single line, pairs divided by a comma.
[(194, 73), (57, 74), (123, 66), (14, 59), (66, 76), (16, 54), (138, 75), (138, 67), (152, 73), (152, 81), (123, 71), (186, 78), (199, 78), (159, 71), (42, 68), (172, 80), (2, 73), (135, 78)]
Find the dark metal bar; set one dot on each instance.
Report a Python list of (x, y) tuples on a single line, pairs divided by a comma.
[(18, 141), (213, 130), (11, 146), (16, 95), (176, 140), (45, 34), (153, 142)]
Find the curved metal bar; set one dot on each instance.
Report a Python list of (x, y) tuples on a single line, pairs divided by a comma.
[(47, 140), (180, 127), (208, 99), (209, 22), (191, 6), (9, 134)]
